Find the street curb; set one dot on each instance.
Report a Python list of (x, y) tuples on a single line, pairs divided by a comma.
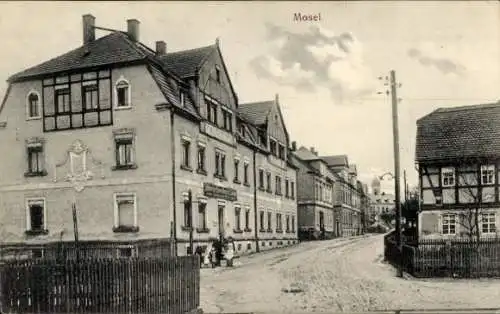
[(195, 311)]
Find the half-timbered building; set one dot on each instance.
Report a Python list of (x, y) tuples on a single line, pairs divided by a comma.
[(148, 143), (458, 158)]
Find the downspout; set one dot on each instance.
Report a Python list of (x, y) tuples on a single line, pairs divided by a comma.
[(257, 248), (172, 150)]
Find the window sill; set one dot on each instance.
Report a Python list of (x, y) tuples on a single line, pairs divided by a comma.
[(262, 189), (269, 230), (222, 178), (236, 181), (279, 194), (246, 184), (202, 230), (269, 191), (36, 232), (237, 231), (185, 228), (201, 171), (33, 118), (119, 108), (186, 168), (247, 230), (279, 231), (126, 229), (124, 167), (36, 174)]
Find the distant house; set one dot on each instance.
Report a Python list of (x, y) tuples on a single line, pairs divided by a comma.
[(347, 202), (458, 158), (380, 201), (315, 195)]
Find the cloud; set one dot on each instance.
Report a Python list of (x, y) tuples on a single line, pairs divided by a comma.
[(315, 59), (444, 65)]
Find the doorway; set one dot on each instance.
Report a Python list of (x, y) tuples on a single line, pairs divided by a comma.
[(220, 217)]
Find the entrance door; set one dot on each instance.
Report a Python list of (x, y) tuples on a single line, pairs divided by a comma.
[(220, 216)]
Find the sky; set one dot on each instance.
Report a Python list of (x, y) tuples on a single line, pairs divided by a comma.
[(326, 72)]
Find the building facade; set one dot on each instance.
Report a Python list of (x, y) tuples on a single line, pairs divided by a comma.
[(317, 219), (380, 201), (147, 144), (457, 153)]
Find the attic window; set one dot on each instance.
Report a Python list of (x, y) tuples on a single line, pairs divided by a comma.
[(217, 74), (122, 94), (183, 99)]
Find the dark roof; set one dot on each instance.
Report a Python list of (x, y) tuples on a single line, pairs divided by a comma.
[(460, 132), (186, 63), (256, 112), (336, 160), (110, 49)]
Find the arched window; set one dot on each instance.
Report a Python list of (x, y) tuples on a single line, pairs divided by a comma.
[(122, 94), (33, 105)]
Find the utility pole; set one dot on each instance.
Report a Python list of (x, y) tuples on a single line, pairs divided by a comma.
[(397, 176), (406, 185)]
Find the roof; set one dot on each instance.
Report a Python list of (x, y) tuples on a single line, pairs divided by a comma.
[(186, 63), (256, 112), (460, 132), (305, 154), (336, 160), (110, 49)]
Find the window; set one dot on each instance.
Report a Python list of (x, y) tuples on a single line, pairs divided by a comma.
[(188, 217), (287, 190), (90, 97), (449, 224), (220, 165), (217, 74), (36, 222), (182, 99), (261, 179), (487, 174), (36, 160), (488, 223), (211, 112), (262, 138), (245, 173), (261, 220), (293, 223), (125, 213), (33, 105), (237, 218), (186, 154), (202, 216), (236, 172), (272, 145), (62, 100), (268, 176), (201, 159), (269, 221), (279, 223), (227, 122), (448, 176), (124, 153), (278, 185), (281, 152), (287, 223), (292, 190), (247, 219), (122, 94)]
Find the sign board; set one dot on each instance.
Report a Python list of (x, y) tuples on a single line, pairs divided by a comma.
[(215, 191)]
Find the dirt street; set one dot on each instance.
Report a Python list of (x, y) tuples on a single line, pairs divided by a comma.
[(342, 275)]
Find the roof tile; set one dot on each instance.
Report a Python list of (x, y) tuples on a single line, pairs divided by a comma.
[(185, 63), (256, 112)]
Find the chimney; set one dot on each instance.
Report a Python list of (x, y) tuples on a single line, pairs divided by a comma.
[(294, 146), (88, 28), (161, 48), (276, 98), (313, 151), (133, 29)]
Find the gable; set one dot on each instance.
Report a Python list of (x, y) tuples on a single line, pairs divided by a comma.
[(214, 79), (276, 125)]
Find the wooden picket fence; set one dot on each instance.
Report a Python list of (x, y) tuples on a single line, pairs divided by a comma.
[(100, 285), (459, 257)]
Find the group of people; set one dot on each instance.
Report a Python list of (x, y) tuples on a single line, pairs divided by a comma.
[(217, 251)]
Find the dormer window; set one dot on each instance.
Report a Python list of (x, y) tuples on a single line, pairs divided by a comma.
[(211, 112), (448, 176), (122, 94), (227, 122), (217, 74), (33, 105), (487, 174)]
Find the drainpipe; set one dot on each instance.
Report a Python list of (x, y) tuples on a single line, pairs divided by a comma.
[(257, 248), (172, 150)]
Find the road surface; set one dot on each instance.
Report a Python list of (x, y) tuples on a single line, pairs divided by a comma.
[(341, 275)]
